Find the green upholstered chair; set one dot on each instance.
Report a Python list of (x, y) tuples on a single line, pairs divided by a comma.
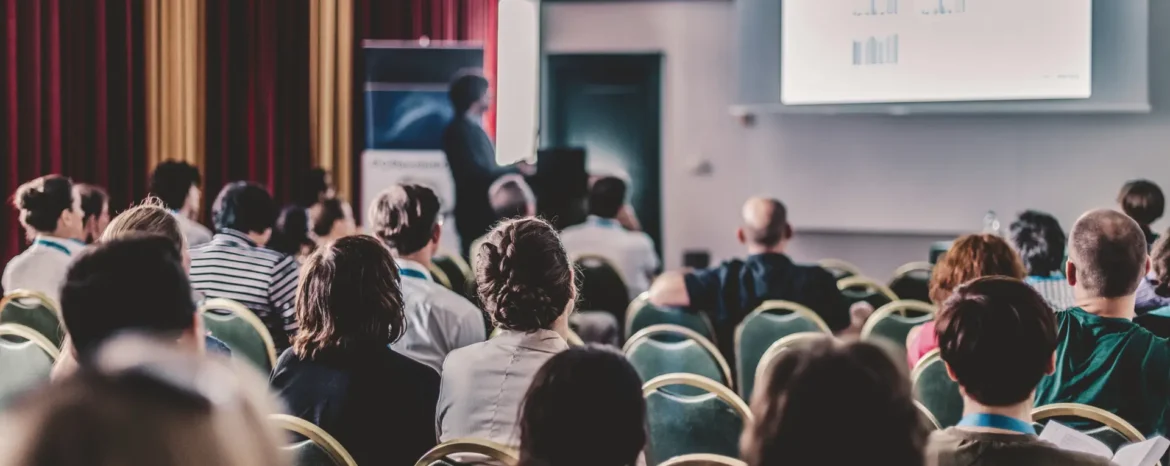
[(444, 454), (893, 322), (311, 446), (1096, 422), (458, 273), (670, 349), (839, 268), (860, 288), (26, 360), (240, 330), (641, 314), (601, 286), (703, 459), (912, 281), (935, 390), (33, 310), (765, 325), (779, 347), (928, 419), (939, 249), (682, 425)]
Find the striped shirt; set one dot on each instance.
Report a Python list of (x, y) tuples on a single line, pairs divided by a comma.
[(1055, 290), (232, 266)]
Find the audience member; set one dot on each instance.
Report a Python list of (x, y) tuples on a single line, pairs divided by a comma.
[(1154, 291), (291, 234), (331, 220), (1041, 243), (1103, 359), (997, 337), (632, 253), (50, 212), (439, 321), (177, 184), (510, 197), (1143, 201), (525, 281), (316, 187), (145, 403), (340, 373), (584, 408), (235, 265), (970, 257), (811, 391), (95, 209)]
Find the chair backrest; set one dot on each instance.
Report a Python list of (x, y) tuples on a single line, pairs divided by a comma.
[(779, 347), (839, 268), (312, 446), (439, 276), (240, 330), (935, 390), (681, 425), (767, 324), (866, 289), (1102, 425), (34, 310), (442, 454), (670, 349), (703, 459), (893, 322), (458, 273), (912, 281), (927, 417), (938, 249), (26, 360), (601, 285), (641, 314)]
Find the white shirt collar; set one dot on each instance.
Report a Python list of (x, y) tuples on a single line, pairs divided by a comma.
[(412, 265), (72, 245)]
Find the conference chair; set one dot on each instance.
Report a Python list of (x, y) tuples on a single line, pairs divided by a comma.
[(939, 249), (601, 286), (839, 268), (458, 273), (440, 277), (859, 288), (703, 459), (765, 325), (240, 329), (670, 349), (681, 425), (927, 417), (641, 314), (311, 446), (935, 390), (454, 452), (34, 310), (1102, 425), (779, 347), (912, 281), (26, 360), (893, 322)]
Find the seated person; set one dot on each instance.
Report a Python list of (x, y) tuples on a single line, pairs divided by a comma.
[(525, 282), (581, 399), (1041, 242), (330, 220), (177, 184), (1154, 291), (438, 321), (95, 210), (810, 393), (510, 197), (997, 337), (970, 257), (1143, 201), (631, 252), (290, 235), (340, 373), (50, 212), (1103, 358)]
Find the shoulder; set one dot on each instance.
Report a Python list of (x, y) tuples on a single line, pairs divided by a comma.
[(466, 357), (450, 301)]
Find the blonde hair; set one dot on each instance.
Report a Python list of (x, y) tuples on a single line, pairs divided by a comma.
[(148, 217)]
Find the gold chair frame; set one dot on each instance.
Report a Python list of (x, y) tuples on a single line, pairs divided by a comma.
[(906, 268), (838, 264), (648, 332), (460, 264), (858, 280), (45, 300), (779, 305), (928, 415), (1091, 413), (639, 303), (495, 451), (317, 435), (241, 311), (698, 381), (33, 337), (919, 366), (702, 459), (780, 345), (440, 276), (900, 306)]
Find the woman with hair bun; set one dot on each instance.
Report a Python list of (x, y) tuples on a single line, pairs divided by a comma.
[(50, 212), (525, 282)]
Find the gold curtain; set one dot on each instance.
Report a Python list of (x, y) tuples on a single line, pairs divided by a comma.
[(174, 81), (330, 89)]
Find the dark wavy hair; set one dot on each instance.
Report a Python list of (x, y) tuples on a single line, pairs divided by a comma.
[(404, 217), (244, 206), (1143, 201), (1040, 241), (523, 275), (41, 202), (291, 235), (172, 180)]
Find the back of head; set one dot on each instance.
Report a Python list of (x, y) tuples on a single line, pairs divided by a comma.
[(584, 408), (1161, 259), (316, 188), (511, 197), (404, 216), (810, 390), (1109, 252), (149, 217), (171, 181), (1040, 241), (467, 89), (607, 196), (291, 233), (132, 284), (1143, 201), (523, 275), (348, 297), (41, 202), (325, 216), (765, 222), (93, 200), (245, 207), (997, 335), (971, 257)]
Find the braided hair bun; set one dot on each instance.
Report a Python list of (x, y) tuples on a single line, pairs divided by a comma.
[(523, 275), (41, 202)]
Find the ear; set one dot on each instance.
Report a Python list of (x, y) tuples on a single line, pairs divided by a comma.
[(739, 235), (788, 232), (436, 233), (1051, 365), (1070, 273), (951, 373)]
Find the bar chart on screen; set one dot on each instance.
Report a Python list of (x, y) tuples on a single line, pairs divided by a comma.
[(942, 7), (876, 51), (876, 8)]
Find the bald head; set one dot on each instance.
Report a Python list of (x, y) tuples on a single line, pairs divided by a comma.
[(765, 222), (511, 197), (1108, 251)]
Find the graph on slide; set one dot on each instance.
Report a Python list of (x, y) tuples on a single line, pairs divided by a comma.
[(877, 8), (876, 51), (943, 7)]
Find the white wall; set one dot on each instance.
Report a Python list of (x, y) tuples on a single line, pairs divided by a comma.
[(699, 85)]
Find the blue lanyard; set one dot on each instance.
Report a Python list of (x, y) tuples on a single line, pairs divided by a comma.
[(412, 273), (996, 421), (53, 245), (606, 223)]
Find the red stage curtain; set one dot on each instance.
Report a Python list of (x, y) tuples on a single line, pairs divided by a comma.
[(73, 99)]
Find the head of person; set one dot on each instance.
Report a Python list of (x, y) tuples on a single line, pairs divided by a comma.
[(406, 218), (348, 298), (997, 336), (523, 275), (1143, 201), (317, 187), (50, 205), (765, 225), (1161, 265), (331, 219), (245, 207), (95, 208), (469, 93), (136, 283), (607, 196), (291, 235), (177, 184), (145, 403), (809, 389), (1040, 241), (149, 218), (511, 197), (1107, 255), (580, 399), (971, 257)]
